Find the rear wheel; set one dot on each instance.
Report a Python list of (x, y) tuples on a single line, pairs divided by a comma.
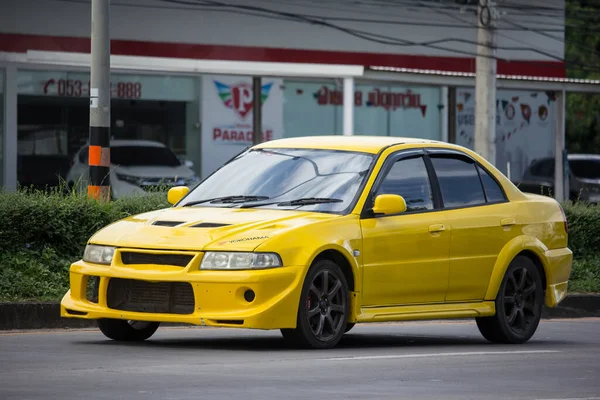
[(518, 305), (127, 330), (323, 310)]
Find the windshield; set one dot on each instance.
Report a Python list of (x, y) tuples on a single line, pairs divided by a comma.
[(283, 175), (135, 156), (586, 169)]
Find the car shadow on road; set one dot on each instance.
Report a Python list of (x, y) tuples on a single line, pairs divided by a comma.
[(258, 342)]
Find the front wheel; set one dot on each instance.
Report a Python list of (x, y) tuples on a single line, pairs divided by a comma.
[(323, 310), (127, 331), (518, 305)]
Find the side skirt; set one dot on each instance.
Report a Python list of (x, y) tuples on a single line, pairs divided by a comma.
[(428, 311)]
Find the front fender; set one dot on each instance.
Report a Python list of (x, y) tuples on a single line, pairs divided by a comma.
[(302, 246)]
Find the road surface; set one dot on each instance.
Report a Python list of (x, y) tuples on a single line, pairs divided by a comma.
[(413, 360)]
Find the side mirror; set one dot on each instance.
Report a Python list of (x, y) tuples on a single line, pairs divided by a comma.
[(177, 193), (389, 204)]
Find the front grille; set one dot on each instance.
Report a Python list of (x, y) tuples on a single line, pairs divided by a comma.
[(132, 257), (150, 297)]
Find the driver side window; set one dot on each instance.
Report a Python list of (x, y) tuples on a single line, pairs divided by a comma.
[(409, 178)]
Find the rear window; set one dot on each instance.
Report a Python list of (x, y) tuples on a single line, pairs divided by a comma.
[(587, 169), (131, 156)]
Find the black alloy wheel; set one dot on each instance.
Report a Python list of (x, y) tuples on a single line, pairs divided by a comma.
[(518, 305), (323, 310)]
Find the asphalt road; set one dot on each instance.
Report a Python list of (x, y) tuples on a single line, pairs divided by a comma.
[(417, 360)]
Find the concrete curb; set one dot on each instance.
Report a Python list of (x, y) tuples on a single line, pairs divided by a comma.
[(35, 315)]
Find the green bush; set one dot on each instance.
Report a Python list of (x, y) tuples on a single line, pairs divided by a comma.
[(41, 233), (584, 226)]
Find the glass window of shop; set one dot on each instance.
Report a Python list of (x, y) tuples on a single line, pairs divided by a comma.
[(525, 129), (1, 128), (313, 108), (53, 118)]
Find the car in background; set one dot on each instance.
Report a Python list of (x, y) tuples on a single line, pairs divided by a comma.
[(584, 177), (311, 235), (137, 167)]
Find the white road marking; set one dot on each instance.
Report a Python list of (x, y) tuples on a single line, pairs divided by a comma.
[(573, 398), (425, 355)]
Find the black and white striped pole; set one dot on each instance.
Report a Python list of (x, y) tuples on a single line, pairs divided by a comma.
[(99, 137)]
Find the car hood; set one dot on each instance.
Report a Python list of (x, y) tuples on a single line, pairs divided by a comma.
[(204, 228), (155, 171)]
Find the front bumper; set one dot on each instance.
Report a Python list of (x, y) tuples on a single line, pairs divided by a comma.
[(218, 296)]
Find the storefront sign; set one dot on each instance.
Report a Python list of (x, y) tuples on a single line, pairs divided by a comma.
[(227, 116), (388, 100), (122, 86), (524, 127)]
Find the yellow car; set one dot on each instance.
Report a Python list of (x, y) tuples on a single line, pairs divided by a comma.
[(313, 235)]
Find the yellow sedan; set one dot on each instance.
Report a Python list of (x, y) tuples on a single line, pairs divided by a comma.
[(313, 235)]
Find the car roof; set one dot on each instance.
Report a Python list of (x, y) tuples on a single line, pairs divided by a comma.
[(366, 144), (581, 156)]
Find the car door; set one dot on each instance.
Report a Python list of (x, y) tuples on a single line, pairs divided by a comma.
[(405, 256), (481, 222)]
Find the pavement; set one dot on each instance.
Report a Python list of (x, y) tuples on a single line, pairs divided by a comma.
[(412, 360)]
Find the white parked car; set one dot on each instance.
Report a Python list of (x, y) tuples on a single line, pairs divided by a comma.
[(137, 166)]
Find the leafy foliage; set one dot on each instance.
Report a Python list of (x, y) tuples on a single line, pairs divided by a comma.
[(582, 52)]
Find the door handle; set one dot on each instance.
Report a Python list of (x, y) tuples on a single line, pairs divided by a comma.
[(508, 222), (436, 228)]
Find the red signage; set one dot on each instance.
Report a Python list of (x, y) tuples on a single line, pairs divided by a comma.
[(78, 88)]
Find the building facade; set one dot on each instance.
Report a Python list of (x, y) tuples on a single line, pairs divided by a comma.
[(205, 114)]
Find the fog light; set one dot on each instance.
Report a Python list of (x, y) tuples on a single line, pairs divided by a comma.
[(249, 295)]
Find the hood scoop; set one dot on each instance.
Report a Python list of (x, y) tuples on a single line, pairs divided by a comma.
[(209, 225), (167, 223)]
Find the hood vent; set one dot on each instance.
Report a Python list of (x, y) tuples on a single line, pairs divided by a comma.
[(209, 225), (167, 223)]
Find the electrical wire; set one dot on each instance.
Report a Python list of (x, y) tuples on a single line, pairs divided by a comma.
[(558, 39), (263, 12), (382, 39), (441, 24)]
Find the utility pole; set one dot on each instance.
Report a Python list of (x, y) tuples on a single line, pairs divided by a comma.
[(485, 82), (256, 110), (99, 135)]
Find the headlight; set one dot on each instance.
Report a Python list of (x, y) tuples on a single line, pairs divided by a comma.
[(98, 254), (239, 260)]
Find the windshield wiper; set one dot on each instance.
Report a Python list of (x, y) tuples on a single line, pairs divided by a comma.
[(308, 201), (228, 199), (297, 202)]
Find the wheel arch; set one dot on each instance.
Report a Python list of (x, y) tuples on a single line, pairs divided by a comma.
[(343, 259), (529, 247)]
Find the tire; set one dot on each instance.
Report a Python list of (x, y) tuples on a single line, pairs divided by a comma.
[(518, 305), (322, 314), (127, 331), (349, 326)]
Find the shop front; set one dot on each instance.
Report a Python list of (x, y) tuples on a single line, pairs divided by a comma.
[(204, 119), (53, 118)]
